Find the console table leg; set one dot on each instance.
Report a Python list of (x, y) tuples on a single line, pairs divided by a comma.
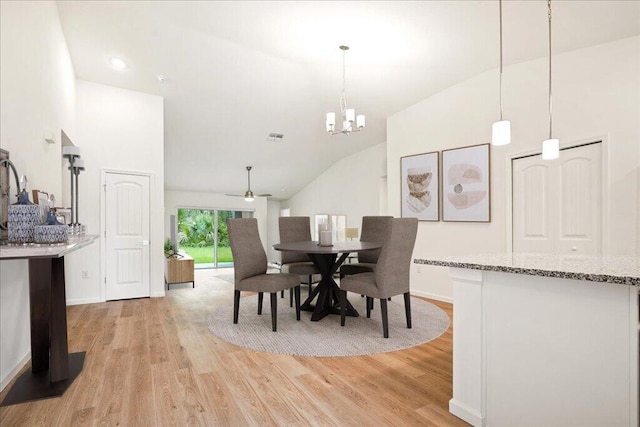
[(59, 346), (39, 308)]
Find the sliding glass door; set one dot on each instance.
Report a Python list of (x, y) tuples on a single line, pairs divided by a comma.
[(202, 233)]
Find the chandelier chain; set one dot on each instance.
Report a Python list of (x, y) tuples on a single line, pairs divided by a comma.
[(343, 96)]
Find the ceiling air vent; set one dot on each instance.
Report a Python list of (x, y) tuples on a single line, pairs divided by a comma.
[(275, 137)]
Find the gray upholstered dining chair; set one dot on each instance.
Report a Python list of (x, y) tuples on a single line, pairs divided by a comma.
[(296, 229), (250, 268), (391, 275), (374, 229)]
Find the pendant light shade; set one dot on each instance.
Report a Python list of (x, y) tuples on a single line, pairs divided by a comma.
[(501, 133), (550, 149), (501, 130)]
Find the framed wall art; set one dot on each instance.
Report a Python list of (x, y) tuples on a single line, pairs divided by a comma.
[(466, 186), (420, 184)]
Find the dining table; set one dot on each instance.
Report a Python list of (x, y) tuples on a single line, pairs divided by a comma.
[(328, 259)]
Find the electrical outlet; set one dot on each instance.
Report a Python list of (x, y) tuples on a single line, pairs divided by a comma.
[(85, 274)]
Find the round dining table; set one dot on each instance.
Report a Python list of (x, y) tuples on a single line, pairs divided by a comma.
[(327, 260)]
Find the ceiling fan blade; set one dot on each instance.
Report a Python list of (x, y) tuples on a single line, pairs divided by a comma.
[(264, 195), (235, 195)]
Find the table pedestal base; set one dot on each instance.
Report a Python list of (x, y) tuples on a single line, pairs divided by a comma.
[(327, 289), (36, 385)]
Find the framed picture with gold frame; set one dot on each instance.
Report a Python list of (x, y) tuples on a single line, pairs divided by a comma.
[(466, 184), (420, 185)]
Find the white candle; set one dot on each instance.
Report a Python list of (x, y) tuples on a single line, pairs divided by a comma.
[(325, 238)]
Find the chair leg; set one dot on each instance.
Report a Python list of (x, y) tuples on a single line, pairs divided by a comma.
[(296, 292), (260, 296), (343, 306), (236, 305), (407, 308), (385, 319), (274, 311), (369, 306), (310, 280), (290, 297), (282, 293)]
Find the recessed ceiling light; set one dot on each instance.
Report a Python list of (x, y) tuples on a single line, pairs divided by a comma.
[(118, 63), (162, 79)]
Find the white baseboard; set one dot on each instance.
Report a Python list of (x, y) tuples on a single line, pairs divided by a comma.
[(79, 301), (432, 296), (159, 294), (9, 377), (464, 413)]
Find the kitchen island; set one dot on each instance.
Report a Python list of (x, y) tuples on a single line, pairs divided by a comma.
[(544, 339)]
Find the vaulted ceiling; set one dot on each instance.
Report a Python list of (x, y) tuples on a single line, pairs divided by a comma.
[(237, 71)]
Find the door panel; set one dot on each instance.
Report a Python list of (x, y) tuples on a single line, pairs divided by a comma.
[(127, 236), (531, 225), (557, 204)]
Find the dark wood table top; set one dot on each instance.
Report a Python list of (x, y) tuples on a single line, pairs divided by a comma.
[(312, 247)]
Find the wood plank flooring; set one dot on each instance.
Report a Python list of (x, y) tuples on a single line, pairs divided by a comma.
[(152, 362)]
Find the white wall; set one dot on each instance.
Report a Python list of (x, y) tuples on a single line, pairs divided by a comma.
[(595, 95), (120, 130), (350, 187), (37, 95), (192, 199)]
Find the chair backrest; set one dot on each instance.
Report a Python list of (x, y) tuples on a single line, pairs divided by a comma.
[(294, 229), (249, 258), (374, 229), (392, 270)]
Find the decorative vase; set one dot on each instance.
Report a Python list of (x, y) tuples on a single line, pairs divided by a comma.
[(51, 233), (22, 221)]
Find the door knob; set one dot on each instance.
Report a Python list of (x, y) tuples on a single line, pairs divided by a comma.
[(145, 243)]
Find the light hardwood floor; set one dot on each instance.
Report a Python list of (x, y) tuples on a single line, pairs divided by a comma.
[(153, 362)]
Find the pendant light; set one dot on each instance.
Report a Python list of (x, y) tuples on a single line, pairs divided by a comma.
[(501, 130), (551, 146)]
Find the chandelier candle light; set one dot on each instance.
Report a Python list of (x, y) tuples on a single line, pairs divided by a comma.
[(348, 114), (501, 130), (551, 146)]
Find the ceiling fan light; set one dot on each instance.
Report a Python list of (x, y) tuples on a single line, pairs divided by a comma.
[(360, 121), (249, 199), (501, 133), (550, 149)]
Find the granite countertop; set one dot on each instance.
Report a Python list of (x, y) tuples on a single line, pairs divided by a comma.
[(612, 269), (27, 251)]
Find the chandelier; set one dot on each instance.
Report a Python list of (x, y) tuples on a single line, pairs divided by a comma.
[(348, 114)]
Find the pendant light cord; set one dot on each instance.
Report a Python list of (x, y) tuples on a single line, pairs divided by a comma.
[(550, 94), (500, 60)]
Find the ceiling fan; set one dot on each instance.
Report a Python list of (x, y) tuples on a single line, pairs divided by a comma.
[(248, 195)]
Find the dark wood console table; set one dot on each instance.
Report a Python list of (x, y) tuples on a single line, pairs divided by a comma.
[(53, 369)]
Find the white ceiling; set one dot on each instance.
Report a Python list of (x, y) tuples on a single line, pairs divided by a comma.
[(237, 71)]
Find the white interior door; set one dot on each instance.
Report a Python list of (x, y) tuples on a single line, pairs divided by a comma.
[(127, 236), (557, 205)]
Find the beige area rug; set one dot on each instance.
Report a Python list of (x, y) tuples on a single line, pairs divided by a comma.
[(359, 336)]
